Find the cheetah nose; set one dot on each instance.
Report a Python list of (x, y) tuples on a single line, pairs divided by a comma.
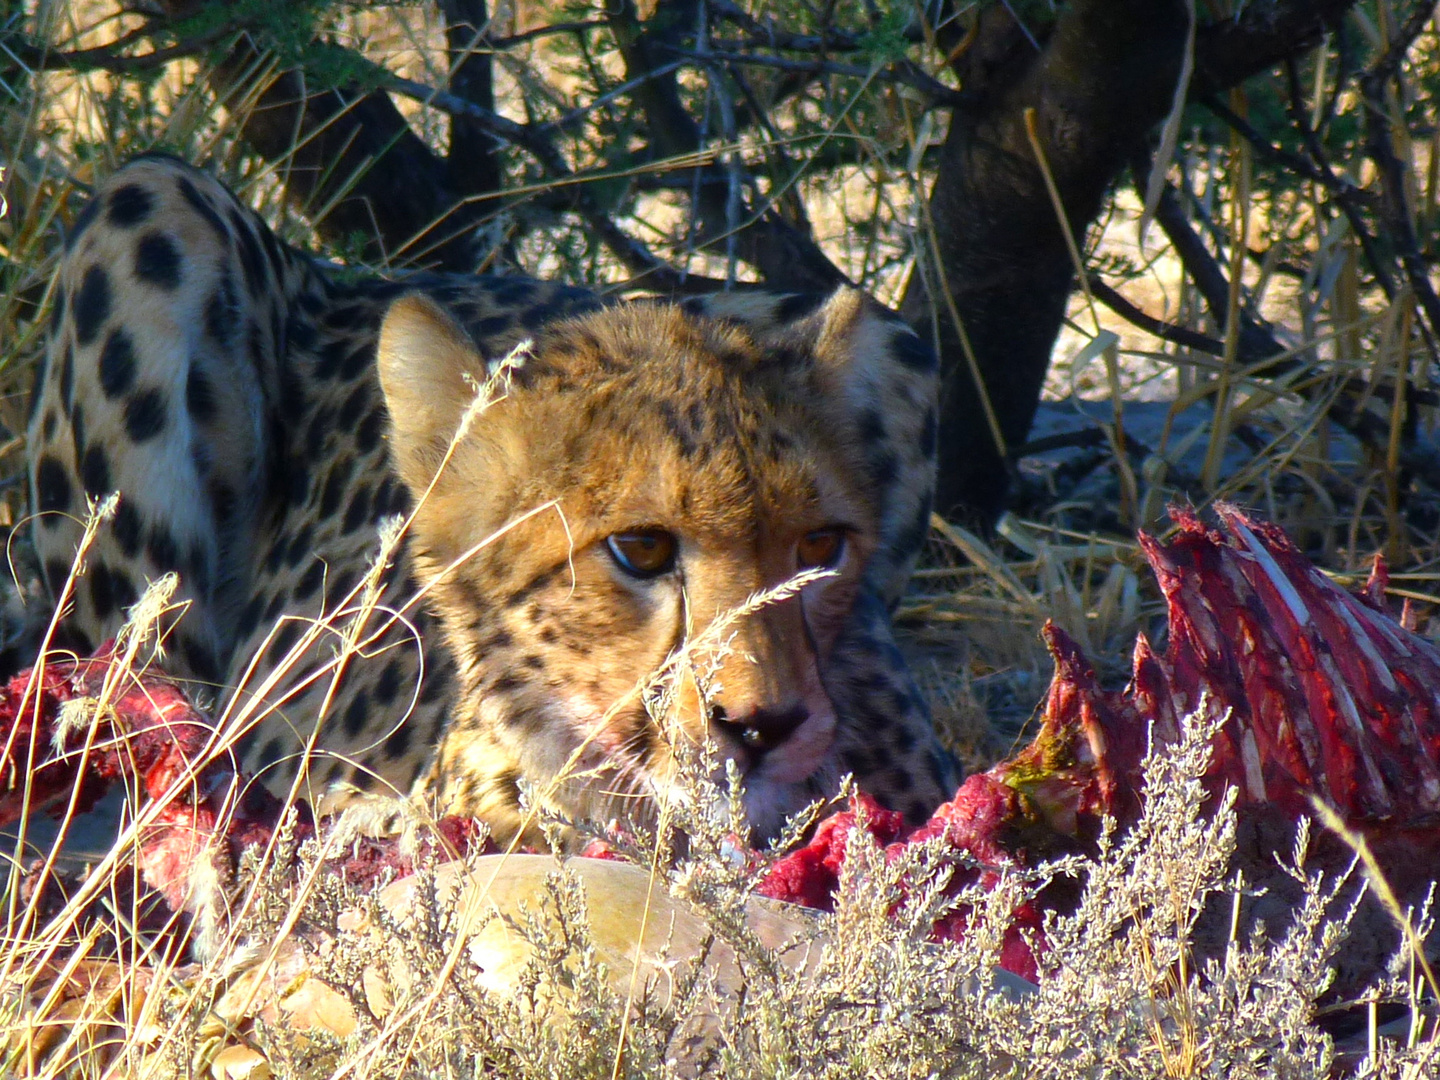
[(760, 730)]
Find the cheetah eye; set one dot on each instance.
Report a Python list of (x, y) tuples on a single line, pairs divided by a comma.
[(820, 549), (643, 553)]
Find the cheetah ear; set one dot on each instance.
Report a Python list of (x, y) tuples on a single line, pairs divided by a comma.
[(860, 349), (835, 325), (845, 336), (424, 358)]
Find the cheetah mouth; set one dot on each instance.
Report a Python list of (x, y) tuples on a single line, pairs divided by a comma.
[(801, 755)]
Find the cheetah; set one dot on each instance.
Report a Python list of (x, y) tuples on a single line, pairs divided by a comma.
[(640, 471)]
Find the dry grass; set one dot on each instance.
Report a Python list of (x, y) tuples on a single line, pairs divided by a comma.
[(1120, 998)]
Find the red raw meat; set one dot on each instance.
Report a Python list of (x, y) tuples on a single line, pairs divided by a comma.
[(1328, 697), (144, 728)]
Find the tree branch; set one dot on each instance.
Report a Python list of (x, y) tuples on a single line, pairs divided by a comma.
[(575, 115), (37, 57), (1104, 76), (1193, 339), (1165, 331), (902, 73), (785, 256), (1380, 148), (550, 30), (472, 166), (1260, 35), (1256, 341), (1257, 344), (1344, 193), (329, 142), (1278, 155)]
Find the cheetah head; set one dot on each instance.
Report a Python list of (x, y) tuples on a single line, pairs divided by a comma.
[(640, 477)]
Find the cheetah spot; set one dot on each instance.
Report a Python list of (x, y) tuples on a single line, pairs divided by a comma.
[(157, 262), (117, 364), (145, 415), (52, 488), (92, 305), (130, 205)]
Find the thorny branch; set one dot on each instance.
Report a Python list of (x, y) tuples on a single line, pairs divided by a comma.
[(1257, 344), (1341, 190), (904, 73), (1380, 148)]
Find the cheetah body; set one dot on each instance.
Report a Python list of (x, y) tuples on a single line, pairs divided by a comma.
[(228, 387)]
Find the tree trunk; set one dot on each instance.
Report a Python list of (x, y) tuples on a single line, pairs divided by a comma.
[(1102, 80), (1098, 83)]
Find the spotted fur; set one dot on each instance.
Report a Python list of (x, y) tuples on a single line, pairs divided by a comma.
[(261, 413)]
